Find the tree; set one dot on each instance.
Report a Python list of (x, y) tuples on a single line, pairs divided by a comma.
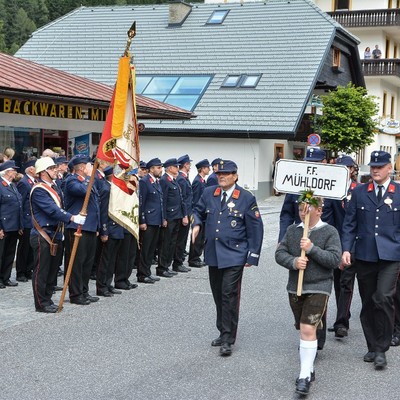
[(347, 123)]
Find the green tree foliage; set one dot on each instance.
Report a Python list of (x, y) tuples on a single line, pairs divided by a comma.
[(347, 123)]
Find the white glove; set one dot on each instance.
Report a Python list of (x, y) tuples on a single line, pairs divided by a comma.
[(79, 219)]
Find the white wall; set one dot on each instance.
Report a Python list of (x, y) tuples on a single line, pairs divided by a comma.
[(327, 5)]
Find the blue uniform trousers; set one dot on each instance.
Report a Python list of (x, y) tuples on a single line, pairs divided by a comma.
[(7, 254), (148, 243), (226, 286), (167, 245), (343, 315)]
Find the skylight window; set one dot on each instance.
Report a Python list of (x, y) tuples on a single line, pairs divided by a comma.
[(180, 91), (241, 81), (218, 17)]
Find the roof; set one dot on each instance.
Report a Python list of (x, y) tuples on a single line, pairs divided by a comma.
[(285, 41), (23, 76)]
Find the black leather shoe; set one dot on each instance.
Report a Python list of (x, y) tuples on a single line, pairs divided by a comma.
[(81, 301), (2, 285), (47, 309), (312, 377), (10, 283), (303, 386), (165, 274), (225, 350), (341, 332), (22, 278), (369, 357), (57, 288), (114, 291), (106, 293), (331, 329), (395, 341), (133, 286), (155, 278), (196, 264), (92, 299), (216, 342), (380, 360), (124, 287), (146, 279), (180, 268), (172, 272)]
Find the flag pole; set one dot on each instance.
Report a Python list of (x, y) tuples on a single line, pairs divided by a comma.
[(303, 252), (78, 234)]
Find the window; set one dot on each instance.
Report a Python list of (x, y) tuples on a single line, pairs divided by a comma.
[(336, 57), (180, 91), (392, 110), (342, 5), (243, 81), (384, 102), (218, 17)]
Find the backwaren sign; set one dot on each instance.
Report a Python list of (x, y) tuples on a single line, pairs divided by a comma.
[(326, 180)]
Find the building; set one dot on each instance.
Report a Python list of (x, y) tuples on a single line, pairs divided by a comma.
[(376, 23), (248, 70), (41, 107)]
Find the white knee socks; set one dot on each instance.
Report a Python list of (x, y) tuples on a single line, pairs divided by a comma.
[(308, 351)]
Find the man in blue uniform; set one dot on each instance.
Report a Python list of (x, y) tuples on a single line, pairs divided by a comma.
[(198, 186), (24, 259), (48, 217), (175, 214), (75, 190), (151, 218), (10, 221), (212, 180), (234, 234), (187, 196), (372, 226)]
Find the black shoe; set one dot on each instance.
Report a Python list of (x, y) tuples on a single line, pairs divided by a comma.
[(172, 272), (165, 274), (92, 299), (93, 277), (48, 309), (225, 350), (2, 285), (133, 286), (341, 332), (154, 261), (145, 279), (10, 283), (196, 264), (303, 386), (185, 253), (395, 341), (216, 342), (380, 360), (80, 300), (312, 377), (60, 272), (105, 293), (331, 329), (22, 278), (369, 357), (123, 287), (180, 268), (57, 288), (155, 278), (114, 291)]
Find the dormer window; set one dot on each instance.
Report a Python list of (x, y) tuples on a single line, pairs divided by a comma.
[(241, 81), (217, 17)]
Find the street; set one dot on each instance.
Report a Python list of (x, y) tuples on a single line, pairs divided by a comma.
[(153, 342)]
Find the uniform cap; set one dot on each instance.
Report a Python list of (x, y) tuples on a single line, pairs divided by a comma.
[(10, 164), (79, 159), (227, 166), (171, 162), (215, 161), (142, 164), (154, 162), (345, 160), (315, 154), (29, 163), (184, 159), (61, 160), (379, 158), (203, 163), (43, 163), (108, 171)]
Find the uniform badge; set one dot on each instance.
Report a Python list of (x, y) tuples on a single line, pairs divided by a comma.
[(389, 202), (230, 205), (233, 223)]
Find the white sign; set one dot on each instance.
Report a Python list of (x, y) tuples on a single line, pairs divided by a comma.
[(326, 180)]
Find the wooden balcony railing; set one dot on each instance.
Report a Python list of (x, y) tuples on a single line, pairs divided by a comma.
[(365, 18), (381, 67)]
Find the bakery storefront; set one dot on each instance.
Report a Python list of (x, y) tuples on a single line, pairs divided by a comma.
[(41, 108)]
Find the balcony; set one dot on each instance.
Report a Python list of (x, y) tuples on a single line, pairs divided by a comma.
[(367, 18), (381, 67)]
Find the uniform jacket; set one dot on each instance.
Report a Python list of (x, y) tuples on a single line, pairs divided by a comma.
[(187, 192), (151, 210), (373, 227), (47, 213), (75, 188), (198, 186), (24, 187), (212, 180), (233, 234), (174, 206), (10, 207)]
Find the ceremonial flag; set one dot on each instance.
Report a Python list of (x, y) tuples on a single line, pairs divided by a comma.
[(119, 144)]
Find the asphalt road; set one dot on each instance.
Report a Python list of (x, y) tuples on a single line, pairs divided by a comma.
[(154, 343)]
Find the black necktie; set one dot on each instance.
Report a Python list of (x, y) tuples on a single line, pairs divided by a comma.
[(223, 201), (379, 196)]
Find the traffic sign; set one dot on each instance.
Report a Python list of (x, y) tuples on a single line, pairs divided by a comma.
[(313, 139)]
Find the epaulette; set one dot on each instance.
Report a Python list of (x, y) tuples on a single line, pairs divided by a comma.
[(217, 192), (370, 187), (236, 194)]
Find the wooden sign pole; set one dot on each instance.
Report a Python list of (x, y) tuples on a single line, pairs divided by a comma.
[(303, 252)]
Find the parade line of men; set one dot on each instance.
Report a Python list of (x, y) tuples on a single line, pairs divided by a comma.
[(41, 213)]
